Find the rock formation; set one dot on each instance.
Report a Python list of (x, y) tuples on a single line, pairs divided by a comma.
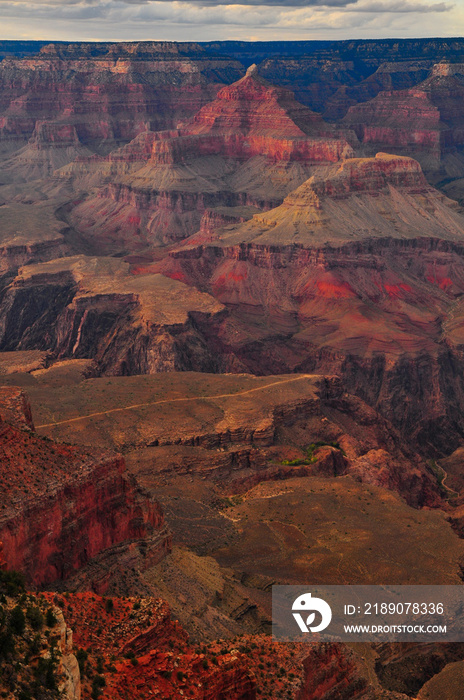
[(249, 147), (62, 505), (29, 232), (357, 265), (174, 207), (99, 96), (95, 308), (424, 121)]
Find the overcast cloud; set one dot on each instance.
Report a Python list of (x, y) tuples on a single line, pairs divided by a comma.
[(196, 20)]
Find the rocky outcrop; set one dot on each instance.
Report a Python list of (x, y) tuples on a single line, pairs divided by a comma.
[(15, 408), (331, 672), (271, 120), (150, 653), (68, 667), (100, 95), (35, 659), (362, 266), (424, 121), (385, 122), (249, 147), (30, 232), (95, 309), (67, 504)]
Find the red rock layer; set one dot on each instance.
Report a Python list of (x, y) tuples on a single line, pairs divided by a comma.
[(404, 120), (61, 505), (270, 119), (425, 121), (141, 651), (163, 664), (156, 189), (99, 96), (331, 672)]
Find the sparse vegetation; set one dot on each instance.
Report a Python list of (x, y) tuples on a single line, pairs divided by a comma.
[(28, 657), (310, 457)]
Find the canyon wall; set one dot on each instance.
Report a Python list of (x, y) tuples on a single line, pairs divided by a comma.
[(62, 505)]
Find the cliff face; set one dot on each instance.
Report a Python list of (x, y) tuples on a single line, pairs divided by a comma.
[(94, 308), (249, 147), (355, 271), (424, 121), (164, 664), (95, 97), (331, 672), (386, 121), (63, 505), (141, 650), (35, 659)]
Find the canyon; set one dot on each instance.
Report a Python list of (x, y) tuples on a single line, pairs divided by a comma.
[(231, 355), (58, 499)]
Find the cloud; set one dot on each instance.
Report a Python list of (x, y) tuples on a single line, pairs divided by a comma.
[(197, 20), (349, 5), (400, 7)]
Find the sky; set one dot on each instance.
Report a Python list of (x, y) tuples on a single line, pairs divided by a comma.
[(203, 20)]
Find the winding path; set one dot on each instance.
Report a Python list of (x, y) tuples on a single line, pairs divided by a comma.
[(183, 399)]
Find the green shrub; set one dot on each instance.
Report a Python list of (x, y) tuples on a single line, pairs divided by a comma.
[(34, 617), (17, 620), (12, 583), (81, 656), (7, 644), (50, 618), (45, 672), (34, 644)]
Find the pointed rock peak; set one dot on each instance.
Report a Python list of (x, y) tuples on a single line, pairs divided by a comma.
[(252, 70), (252, 105)]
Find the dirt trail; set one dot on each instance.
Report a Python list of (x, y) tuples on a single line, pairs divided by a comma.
[(189, 398)]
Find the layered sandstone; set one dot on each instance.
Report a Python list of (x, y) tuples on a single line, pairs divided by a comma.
[(63, 505), (406, 122), (424, 121), (249, 147), (99, 95), (95, 309), (360, 266)]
